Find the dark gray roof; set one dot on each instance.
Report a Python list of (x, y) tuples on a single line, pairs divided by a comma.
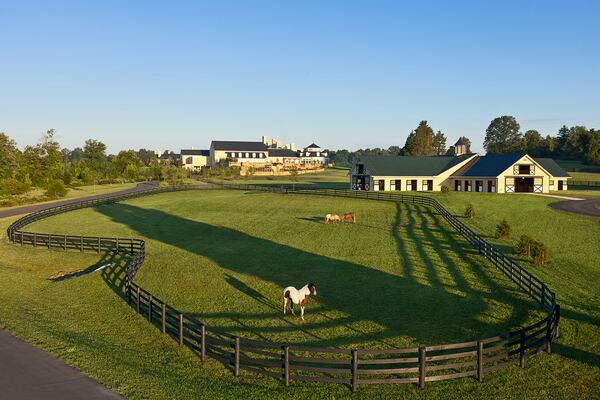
[(492, 165), (282, 153), (552, 167), (193, 152), (238, 146), (409, 165), (461, 141), (313, 145)]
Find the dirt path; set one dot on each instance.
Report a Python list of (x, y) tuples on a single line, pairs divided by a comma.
[(37, 207)]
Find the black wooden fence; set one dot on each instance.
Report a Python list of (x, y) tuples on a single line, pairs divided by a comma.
[(352, 367)]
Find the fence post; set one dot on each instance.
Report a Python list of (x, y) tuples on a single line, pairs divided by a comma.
[(138, 299), (34, 239), (21, 238), (128, 290), (543, 295), (522, 348), (98, 245), (548, 334), (65, 242), (354, 370), (480, 361), (49, 241), (286, 365), (236, 360), (181, 329), (421, 366), (164, 318), (150, 308), (81, 244), (203, 344)]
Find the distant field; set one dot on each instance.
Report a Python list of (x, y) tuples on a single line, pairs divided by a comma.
[(398, 277), (330, 178), (575, 165)]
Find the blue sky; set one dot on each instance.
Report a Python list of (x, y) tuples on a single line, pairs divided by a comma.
[(344, 74)]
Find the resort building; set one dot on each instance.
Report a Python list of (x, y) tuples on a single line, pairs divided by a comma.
[(193, 159), (236, 151), (466, 172)]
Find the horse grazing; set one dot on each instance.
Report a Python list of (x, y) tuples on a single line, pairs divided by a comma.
[(332, 217), (296, 296), (351, 216)]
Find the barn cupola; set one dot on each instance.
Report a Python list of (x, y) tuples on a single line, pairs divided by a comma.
[(461, 146)]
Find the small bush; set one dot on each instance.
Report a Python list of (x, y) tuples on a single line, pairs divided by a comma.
[(12, 187), (539, 252), (503, 230), (524, 246), (470, 211), (56, 189), (445, 189)]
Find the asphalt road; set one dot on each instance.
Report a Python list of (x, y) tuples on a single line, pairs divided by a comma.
[(28, 373), (584, 207), (37, 207)]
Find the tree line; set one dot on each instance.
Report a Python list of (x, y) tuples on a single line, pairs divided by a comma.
[(503, 136), (47, 165)]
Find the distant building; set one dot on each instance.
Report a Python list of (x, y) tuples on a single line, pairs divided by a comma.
[(461, 147), (313, 155), (237, 151), (193, 159), (169, 156)]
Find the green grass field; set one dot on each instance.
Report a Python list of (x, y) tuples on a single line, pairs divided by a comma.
[(331, 178), (398, 277)]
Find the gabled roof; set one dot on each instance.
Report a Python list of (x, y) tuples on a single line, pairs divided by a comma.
[(410, 165), (552, 167), (492, 165), (238, 146), (313, 145), (461, 141), (282, 153), (194, 152)]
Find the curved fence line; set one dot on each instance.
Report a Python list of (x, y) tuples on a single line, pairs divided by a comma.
[(351, 367)]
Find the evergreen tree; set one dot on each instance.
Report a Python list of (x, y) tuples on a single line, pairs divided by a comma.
[(439, 143), (420, 141)]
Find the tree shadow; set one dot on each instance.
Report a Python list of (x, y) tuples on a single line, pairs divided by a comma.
[(349, 294)]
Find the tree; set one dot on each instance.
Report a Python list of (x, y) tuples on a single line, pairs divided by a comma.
[(76, 155), (592, 154), (502, 136), (420, 141), (439, 143), (576, 142), (562, 136), (146, 156), (470, 211), (94, 157), (126, 165), (533, 143), (9, 157), (503, 229), (549, 146)]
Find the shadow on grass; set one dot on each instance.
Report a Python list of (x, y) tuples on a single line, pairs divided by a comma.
[(399, 305)]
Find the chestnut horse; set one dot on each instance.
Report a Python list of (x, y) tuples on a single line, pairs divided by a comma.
[(351, 216), (296, 296)]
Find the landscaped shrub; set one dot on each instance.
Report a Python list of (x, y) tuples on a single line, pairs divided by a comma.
[(470, 211), (524, 246), (12, 187), (445, 189), (503, 230), (539, 252), (56, 189)]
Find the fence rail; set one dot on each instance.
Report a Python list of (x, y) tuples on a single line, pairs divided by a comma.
[(589, 184), (351, 367)]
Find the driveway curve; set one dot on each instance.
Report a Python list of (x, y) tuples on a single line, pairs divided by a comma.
[(583, 207), (38, 207)]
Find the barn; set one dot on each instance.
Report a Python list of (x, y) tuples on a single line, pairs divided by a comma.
[(511, 173)]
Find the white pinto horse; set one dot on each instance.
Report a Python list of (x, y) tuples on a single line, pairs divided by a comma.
[(296, 296)]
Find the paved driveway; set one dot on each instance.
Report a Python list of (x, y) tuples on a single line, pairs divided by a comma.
[(37, 207), (28, 373), (584, 207)]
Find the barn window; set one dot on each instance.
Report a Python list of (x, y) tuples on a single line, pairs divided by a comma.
[(524, 169)]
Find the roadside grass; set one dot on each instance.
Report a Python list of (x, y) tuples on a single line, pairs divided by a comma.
[(396, 278), (331, 178), (73, 193)]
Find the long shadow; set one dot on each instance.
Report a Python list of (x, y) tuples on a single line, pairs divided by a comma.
[(360, 293)]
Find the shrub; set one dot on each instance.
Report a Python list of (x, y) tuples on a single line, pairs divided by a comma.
[(445, 189), (503, 230), (56, 189), (470, 211), (524, 246), (12, 187), (539, 252)]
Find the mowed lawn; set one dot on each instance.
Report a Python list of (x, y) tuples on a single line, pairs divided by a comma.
[(399, 277)]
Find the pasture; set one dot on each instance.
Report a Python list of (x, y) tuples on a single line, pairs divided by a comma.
[(399, 277)]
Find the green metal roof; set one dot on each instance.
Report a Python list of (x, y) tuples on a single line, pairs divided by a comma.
[(409, 165), (552, 167)]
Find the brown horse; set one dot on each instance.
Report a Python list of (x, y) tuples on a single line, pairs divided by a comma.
[(331, 217), (351, 216)]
